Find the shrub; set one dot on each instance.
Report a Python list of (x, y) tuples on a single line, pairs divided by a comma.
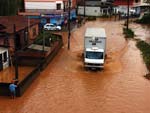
[(145, 49), (128, 33), (147, 76), (145, 19)]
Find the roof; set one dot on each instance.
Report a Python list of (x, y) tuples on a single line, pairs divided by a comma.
[(29, 13), (95, 32), (97, 3), (122, 2), (21, 22)]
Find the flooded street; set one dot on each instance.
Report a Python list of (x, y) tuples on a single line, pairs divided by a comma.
[(65, 87), (141, 31)]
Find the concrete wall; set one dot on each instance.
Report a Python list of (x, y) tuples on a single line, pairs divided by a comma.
[(89, 11), (42, 5), (92, 11)]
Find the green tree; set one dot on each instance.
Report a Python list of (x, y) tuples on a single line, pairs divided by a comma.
[(10, 7)]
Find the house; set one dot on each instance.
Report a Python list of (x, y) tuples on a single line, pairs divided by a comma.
[(17, 31), (137, 5), (45, 6), (122, 5), (48, 6), (141, 6), (94, 7), (51, 11)]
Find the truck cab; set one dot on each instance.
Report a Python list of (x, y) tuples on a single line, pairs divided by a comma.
[(94, 57)]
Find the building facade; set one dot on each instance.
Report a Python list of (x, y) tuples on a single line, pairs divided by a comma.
[(137, 5), (95, 7), (121, 6), (45, 6), (51, 11), (142, 5)]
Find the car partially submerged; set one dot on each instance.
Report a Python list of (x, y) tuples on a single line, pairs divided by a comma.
[(50, 26)]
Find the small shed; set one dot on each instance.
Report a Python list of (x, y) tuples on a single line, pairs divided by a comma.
[(18, 30)]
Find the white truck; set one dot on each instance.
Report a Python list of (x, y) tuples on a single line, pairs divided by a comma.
[(94, 47)]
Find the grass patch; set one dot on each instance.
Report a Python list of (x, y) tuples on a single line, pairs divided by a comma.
[(128, 33), (145, 49)]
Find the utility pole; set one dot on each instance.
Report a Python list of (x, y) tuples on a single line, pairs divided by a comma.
[(43, 40), (84, 8), (69, 25), (15, 54), (28, 27), (128, 14)]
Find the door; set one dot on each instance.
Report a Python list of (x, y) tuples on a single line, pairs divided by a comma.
[(5, 60)]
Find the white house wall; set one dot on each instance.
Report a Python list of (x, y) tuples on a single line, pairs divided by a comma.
[(42, 5), (122, 9), (89, 11)]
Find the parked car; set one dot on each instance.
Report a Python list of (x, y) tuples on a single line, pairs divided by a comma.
[(50, 26)]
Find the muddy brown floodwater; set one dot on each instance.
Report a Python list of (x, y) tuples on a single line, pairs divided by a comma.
[(65, 87), (141, 31)]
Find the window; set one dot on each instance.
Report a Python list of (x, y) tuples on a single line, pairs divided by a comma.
[(94, 55), (58, 6), (93, 43), (5, 57)]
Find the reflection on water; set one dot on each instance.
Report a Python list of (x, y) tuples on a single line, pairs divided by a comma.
[(63, 87)]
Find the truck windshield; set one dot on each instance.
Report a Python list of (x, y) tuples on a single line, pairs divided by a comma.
[(94, 55)]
